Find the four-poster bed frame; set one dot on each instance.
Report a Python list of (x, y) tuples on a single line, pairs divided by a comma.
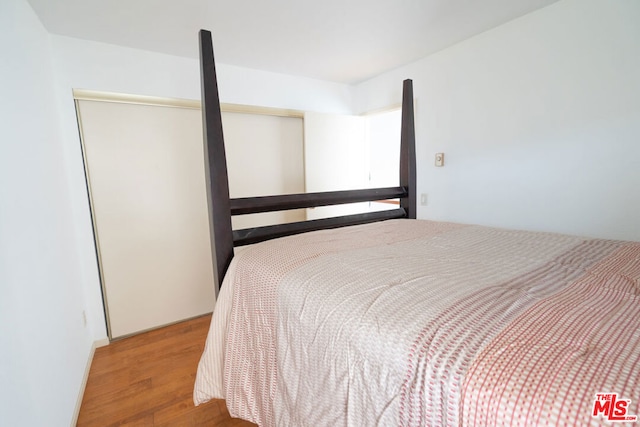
[(410, 322), (222, 207)]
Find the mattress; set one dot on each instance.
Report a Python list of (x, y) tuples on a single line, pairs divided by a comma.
[(413, 323)]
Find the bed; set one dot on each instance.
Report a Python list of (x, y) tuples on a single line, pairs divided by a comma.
[(383, 319)]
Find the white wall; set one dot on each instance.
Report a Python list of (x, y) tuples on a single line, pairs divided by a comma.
[(44, 346), (99, 66), (539, 120)]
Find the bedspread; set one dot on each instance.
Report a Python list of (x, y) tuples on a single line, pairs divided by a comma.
[(422, 323)]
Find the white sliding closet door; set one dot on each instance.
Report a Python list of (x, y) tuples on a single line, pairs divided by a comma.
[(146, 178), (265, 157), (145, 169), (345, 152), (336, 158), (383, 135)]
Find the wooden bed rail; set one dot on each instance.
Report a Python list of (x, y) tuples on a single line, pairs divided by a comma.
[(221, 207), (248, 205), (260, 234)]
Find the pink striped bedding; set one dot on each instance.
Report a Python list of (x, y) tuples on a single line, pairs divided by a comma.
[(419, 323)]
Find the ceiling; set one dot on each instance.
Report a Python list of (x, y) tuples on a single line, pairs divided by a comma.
[(345, 41)]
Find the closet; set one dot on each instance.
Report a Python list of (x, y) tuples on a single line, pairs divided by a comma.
[(145, 177)]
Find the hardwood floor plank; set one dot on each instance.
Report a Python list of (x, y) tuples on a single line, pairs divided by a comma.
[(147, 380)]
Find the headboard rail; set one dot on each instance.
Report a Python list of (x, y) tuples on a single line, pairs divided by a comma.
[(249, 236), (249, 205), (222, 207)]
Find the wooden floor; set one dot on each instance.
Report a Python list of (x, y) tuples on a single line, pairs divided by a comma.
[(147, 380)]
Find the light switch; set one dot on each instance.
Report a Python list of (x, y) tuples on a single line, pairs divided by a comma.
[(423, 199), (439, 159)]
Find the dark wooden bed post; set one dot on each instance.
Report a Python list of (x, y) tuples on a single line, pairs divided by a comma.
[(408, 151), (221, 207), (215, 163)]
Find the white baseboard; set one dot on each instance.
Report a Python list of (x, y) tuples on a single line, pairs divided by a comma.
[(85, 378), (101, 343)]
